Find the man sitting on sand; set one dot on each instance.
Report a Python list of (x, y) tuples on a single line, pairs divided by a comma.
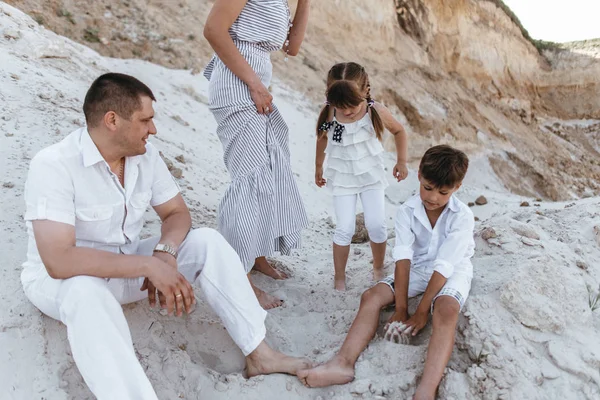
[(86, 197), (434, 244)]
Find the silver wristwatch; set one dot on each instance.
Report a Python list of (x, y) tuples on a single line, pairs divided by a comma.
[(165, 248)]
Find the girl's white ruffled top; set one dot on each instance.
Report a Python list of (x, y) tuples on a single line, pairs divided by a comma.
[(354, 164)]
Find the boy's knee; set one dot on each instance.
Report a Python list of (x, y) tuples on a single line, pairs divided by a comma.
[(371, 297), (446, 310)]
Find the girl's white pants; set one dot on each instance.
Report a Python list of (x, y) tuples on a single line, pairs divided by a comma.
[(98, 333), (373, 202)]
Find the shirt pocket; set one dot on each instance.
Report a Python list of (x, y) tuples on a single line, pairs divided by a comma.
[(139, 204), (94, 223)]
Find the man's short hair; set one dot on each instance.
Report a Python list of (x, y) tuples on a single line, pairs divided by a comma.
[(444, 166), (114, 92)]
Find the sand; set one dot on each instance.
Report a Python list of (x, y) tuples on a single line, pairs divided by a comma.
[(527, 330)]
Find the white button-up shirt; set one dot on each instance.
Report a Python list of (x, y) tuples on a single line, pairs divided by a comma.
[(445, 248), (70, 182)]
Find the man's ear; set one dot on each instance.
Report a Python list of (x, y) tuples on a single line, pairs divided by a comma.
[(110, 120)]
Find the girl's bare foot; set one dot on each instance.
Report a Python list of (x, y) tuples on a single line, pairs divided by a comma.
[(335, 372), (264, 360), (423, 396), (262, 265), (378, 273), (339, 283)]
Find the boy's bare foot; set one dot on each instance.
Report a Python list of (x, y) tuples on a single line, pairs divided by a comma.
[(339, 283), (378, 273), (334, 372), (262, 265), (264, 360)]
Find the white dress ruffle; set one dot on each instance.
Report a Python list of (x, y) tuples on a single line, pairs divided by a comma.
[(355, 164)]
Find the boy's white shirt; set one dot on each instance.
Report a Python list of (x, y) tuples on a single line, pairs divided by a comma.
[(446, 248)]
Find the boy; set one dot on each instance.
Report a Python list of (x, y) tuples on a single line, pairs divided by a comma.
[(434, 244)]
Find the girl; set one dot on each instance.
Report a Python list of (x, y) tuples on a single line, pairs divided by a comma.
[(349, 130)]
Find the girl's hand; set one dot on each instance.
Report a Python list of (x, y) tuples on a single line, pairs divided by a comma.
[(319, 181), (400, 171), (262, 98)]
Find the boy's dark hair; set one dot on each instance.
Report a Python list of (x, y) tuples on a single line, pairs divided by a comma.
[(114, 92), (444, 166)]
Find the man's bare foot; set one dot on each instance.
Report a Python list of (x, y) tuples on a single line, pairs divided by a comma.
[(339, 283), (334, 372), (378, 273), (264, 360), (262, 265), (265, 300)]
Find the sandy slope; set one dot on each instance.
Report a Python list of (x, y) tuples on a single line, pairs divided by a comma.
[(527, 331)]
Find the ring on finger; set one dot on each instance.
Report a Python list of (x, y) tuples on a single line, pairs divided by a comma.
[(178, 295), (267, 109)]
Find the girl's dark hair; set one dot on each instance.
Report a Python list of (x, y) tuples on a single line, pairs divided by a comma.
[(346, 83)]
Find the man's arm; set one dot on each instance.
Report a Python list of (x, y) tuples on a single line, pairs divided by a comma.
[(176, 221), (62, 259)]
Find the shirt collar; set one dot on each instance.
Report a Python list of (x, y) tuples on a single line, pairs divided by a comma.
[(91, 154), (415, 201)]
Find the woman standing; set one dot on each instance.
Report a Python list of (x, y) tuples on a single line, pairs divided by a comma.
[(261, 211)]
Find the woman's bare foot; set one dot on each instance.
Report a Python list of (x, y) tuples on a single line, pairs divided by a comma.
[(334, 372), (265, 300), (264, 360), (339, 283), (378, 273), (262, 265)]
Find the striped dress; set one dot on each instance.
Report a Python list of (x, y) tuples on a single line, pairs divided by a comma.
[(261, 211)]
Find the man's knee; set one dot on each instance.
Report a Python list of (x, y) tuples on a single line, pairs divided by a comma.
[(446, 310), (203, 236)]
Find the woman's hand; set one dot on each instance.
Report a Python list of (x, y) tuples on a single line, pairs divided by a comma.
[(262, 98)]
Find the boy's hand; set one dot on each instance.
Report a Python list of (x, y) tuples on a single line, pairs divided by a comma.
[(398, 316), (417, 321), (400, 171), (319, 181)]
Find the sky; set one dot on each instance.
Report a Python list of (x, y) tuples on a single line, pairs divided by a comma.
[(558, 20)]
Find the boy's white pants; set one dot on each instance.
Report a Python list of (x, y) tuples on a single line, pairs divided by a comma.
[(373, 202), (98, 333)]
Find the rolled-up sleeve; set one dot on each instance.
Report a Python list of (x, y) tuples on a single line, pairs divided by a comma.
[(49, 192), (164, 187), (405, 237), (454, 248)]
